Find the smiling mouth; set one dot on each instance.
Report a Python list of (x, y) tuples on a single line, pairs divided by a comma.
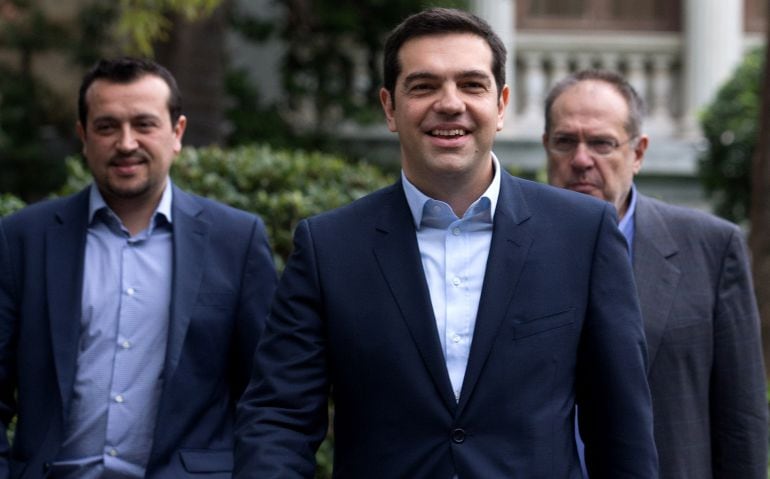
[(453, 133)]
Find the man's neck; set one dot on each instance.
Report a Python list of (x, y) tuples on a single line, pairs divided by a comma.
[(459, 192), (134, 213)]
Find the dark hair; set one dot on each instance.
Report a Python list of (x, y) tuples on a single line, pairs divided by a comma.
[(126, 70), (616, 80), (438, 21)]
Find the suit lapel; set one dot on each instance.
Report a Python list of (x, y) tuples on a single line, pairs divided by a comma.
[(398, 257), (656, 275), (65, 249), (507, 254), (191, 235)]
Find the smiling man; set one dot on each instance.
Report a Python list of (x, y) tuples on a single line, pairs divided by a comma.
[(129, 312), (458, 316), (702, 326)]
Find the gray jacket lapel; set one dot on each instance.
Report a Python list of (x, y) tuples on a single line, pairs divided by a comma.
[(656, 275)]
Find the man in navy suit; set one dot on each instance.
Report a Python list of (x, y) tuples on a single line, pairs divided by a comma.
[(458, 316), (129, 312)]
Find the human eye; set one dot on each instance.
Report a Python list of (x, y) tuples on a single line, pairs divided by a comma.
[(563, 143), (104, 127), (474, 86), (602, 146), (145, 124), (420, 87)]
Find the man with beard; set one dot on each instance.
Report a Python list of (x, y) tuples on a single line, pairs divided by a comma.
[(129, 311)]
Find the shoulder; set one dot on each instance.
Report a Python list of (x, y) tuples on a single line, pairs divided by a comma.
[(364, 209), (555, 206), (212, 211), (683, 221), (40, 215)]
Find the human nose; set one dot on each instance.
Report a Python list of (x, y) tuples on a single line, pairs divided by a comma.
[(582, 158), (126, 140), (449, 101)]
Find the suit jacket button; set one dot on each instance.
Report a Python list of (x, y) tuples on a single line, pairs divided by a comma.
[(458, 436)]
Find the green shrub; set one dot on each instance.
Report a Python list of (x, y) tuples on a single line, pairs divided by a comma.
[(282, 186), (730, 126), (9, 203)]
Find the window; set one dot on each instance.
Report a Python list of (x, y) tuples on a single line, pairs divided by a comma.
[(755, 14), (659, 15)]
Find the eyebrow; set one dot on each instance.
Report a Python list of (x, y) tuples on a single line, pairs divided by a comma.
[(420, 75), (139, 117)]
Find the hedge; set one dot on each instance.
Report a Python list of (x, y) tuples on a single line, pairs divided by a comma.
[(282, 186)]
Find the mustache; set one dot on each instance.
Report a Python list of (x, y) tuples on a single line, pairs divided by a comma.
[(134, 155)]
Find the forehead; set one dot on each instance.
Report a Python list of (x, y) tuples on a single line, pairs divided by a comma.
[(146, 94), (445, 53), (590, 104)]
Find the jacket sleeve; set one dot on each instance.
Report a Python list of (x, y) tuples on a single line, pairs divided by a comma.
[(9, 316), (613, 395), (255, 295), (738, 390), (282, 417)]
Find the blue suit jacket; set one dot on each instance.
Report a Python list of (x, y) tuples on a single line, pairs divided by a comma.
[(558, 323), (223, 280)]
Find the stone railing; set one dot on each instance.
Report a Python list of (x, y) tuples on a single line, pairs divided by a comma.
[(651, 62)]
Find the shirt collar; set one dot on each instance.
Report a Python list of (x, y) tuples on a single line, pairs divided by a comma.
[(96, 203), (626, 225), (417, 199)]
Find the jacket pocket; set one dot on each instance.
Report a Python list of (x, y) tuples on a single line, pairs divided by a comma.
[(201, 460), (523, 328)]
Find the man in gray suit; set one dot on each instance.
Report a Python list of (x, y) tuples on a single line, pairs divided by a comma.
[(692, 276)]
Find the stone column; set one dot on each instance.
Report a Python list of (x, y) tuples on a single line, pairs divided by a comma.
[(501, 16), (713, 46)]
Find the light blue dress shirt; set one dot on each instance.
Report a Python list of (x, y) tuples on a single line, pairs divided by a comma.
[(454, 255), (124, 327), (626, 225)]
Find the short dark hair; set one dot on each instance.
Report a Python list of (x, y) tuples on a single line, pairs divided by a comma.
[(126, 70), (438, 21), (615, 80)]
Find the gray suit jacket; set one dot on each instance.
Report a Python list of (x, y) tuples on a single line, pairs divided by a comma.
[(706, 370)]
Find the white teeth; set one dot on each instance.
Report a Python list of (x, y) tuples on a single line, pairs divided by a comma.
[(455, 132)]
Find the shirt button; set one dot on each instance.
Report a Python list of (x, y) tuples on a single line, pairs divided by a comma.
[(125, 344), (113, 452), (456, 338), (456, 231), (130, 291), (456, 281), (119, 398)]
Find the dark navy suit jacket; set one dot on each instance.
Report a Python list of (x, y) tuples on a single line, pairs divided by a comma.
[(558, 324), (223, 280)]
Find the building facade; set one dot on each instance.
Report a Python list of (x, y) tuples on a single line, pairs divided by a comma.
[(676, 53)]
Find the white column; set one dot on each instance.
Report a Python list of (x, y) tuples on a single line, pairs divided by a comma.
[(636, 75), (713, 47), (559, 67), (501, 16), (659, 104), (534, 92)]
